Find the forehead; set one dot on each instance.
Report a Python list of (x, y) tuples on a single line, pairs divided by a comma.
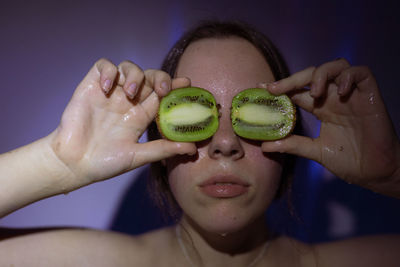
[(224, 66)]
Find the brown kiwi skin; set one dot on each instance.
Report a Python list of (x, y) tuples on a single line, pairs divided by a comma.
[(188, 138), (265, 136)]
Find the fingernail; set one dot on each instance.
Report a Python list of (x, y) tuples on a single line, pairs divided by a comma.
[(190, 153), (107, 85), (340, 89), (132, 90), (273, 85), (278, 142), (313, 89), (279, 147), (262, 85), (164, 86)]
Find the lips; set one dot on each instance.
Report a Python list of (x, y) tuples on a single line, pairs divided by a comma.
[(224, 187)]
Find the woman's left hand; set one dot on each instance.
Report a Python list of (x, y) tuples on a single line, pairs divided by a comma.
[(357, 141)]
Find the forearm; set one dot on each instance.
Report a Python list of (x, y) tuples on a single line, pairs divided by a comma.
[(31, 173)]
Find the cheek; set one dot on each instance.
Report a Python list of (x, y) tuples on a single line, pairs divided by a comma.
[(266, 168), (264, 161), (178, 171), (174, 181)]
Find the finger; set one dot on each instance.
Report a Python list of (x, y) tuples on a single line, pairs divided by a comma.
[(361, 76), (151, 104), (324, 74), (108, 72), (131, 78), (295, 144), (180, 82), (300, 97), (312, 76), (159, 80), (161, 149), (303, 99), (296, 81)]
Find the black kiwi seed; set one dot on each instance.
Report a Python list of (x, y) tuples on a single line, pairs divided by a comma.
[(256, 114), (188, 115)]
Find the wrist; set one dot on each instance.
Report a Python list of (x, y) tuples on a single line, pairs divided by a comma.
[(68, 171), (390, 184), (61, 177), (31, 173)]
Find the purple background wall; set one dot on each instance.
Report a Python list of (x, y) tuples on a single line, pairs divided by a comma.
[(47, 47)]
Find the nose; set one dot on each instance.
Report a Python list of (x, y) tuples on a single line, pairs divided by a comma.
[(225, 143)]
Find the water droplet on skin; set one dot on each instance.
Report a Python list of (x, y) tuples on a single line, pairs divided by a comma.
[(224, 234), (328, 150), (371, 98)]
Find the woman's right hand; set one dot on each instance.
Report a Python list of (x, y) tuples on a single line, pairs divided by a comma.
[(109, 111)]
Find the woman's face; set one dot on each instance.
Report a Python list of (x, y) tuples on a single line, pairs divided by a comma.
[(230, 182)]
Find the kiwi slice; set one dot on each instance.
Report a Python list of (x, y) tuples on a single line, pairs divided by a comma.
[(188, 115), (256, 114)]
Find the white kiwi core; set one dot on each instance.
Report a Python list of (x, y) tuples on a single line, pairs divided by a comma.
[(259, 114), (179, 114)]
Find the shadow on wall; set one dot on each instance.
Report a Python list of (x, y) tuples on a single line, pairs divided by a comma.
[(337, 210)]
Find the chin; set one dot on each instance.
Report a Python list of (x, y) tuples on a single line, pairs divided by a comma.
[(225, 227), (224, 219)]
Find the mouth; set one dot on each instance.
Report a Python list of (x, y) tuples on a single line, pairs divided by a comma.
[(224, 187)]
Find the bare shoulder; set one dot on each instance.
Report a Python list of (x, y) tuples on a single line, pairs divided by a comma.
[(367, 251), (378, 250), (82, 247)]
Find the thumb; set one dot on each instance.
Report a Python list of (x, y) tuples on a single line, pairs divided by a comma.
[(297, 145), (160, 149)]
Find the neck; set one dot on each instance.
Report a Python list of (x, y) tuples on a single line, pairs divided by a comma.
[(240, 248)]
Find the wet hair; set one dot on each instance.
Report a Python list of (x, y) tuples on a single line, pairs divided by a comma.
[(158, 185)]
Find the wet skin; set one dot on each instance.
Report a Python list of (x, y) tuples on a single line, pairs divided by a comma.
[(224, 67)]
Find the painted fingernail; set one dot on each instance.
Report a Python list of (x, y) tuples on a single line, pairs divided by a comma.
[(107, 85), (132, 90), (272, 85), (164, 86)]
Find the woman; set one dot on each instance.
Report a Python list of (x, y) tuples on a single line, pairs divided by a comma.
[(113, 106)]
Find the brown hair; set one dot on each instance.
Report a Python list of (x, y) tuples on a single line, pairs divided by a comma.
[(158, 181)]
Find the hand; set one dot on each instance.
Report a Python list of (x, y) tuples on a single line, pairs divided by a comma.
[(357, 141), (109, 111)]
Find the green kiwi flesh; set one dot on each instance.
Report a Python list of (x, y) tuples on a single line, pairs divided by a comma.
[(258, 115), (188, 115)]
